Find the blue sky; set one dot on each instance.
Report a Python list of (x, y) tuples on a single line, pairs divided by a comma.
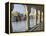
[(20, 8)]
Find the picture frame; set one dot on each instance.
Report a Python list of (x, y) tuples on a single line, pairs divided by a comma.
[(32, 22)]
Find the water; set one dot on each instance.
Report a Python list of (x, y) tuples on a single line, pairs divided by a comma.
[(21, 26)]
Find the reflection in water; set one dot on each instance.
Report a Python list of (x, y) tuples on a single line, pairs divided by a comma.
[(19, 26), (19, 23)]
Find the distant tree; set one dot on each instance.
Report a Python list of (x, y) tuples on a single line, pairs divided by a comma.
[(15, 13)]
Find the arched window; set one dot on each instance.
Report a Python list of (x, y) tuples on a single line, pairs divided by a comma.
[(20, 25), (32, 17)]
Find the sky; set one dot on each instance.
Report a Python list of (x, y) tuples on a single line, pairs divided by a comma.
[(20, 8)]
